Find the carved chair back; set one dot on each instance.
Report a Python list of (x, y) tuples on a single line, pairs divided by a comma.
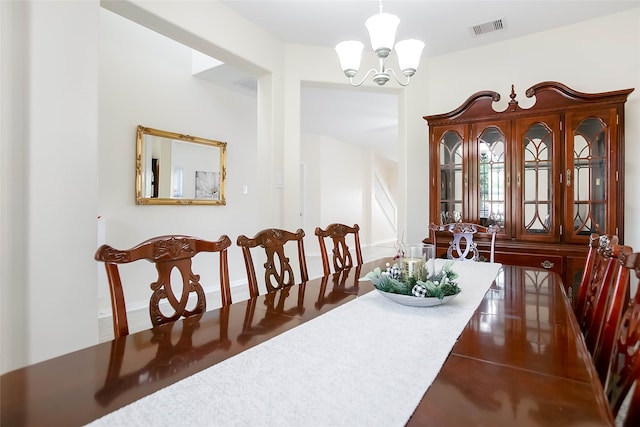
[(342, 255), (278, 271), (624, 360), (462, 247), (597, 286), (166, 252), (615, 307)]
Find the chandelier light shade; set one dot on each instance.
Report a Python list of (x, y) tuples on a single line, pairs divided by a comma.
[(350, 54), (382, 32), (409, 52)]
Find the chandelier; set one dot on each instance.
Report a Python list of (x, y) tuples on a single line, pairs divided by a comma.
[(382, 32)]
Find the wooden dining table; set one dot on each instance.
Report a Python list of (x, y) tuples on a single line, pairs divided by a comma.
[(520, 360)]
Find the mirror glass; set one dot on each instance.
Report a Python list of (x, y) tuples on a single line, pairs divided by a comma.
[(172, 168)]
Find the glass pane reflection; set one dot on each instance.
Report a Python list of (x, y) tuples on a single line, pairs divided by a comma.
[(589, 177), (491, 179), (537, 179), (451, 180)]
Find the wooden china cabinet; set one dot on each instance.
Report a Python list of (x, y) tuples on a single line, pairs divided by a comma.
[(549, 175)]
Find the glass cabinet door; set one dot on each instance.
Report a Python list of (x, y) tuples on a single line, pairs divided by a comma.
[(491, 200), (452, 179), (589, 175), (535, 179)]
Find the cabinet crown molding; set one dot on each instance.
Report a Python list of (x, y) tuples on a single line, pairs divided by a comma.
[(550, 97)]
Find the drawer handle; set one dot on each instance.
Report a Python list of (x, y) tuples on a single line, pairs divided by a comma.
[(546, 264)]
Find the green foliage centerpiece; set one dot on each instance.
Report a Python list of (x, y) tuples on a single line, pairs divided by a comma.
[(420, 284)]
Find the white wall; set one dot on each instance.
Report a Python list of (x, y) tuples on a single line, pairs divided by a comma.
[(339, 189), (13, 169), (381, 230), (49, 197), (349, 172)]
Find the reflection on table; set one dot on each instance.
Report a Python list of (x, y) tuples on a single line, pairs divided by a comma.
[(520, 361)]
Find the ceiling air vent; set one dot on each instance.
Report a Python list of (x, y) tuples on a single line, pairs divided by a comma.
[(488, 27)]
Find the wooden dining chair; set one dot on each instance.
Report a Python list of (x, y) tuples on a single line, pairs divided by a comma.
[(277, 268), (342, 255), (597, 286), (166, 252), (623, 365), (616, 306), (593, 268), (462, 247)]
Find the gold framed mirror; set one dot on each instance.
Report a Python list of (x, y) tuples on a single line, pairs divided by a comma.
[(176, 169)]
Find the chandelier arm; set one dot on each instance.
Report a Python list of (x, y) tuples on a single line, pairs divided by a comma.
[(366, 76), (395, 76)]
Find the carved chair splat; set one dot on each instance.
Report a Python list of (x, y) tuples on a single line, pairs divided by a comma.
[(342, 256), (278, 271), (462, 247), (166, 252)]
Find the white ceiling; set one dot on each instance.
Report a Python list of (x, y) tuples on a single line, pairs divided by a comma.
[(442, 25), (370, 119)]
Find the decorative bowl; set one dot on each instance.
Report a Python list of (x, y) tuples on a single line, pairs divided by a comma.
[(412, 301)]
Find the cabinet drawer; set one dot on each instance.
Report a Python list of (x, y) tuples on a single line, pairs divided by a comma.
[(554, 263)]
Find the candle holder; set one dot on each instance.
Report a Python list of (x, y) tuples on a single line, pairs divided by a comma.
[(429, 252), (418, 262), (412, 265)]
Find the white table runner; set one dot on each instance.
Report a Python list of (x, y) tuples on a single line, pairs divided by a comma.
[(365, 363)]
